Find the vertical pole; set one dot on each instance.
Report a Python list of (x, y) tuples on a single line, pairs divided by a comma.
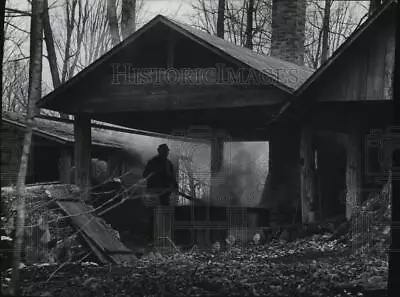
[(217, 157), (83, 139)]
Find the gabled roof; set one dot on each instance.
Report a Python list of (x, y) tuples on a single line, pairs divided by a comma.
[(346, 45), (59, 131), (267, 65)]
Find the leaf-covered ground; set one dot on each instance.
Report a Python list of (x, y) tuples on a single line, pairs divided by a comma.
[(313, 266)]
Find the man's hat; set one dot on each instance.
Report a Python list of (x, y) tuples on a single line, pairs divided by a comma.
[(163, 147)]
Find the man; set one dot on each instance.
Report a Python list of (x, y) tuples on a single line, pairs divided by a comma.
[(161, 179)]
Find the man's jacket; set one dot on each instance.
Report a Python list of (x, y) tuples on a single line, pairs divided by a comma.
[(164, 174)]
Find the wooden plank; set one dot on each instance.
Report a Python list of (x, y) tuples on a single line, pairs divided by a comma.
[(91, 226), (98, 252), (83, 138), (178, 99)]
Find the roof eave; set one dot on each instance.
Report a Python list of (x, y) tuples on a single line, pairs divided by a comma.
[(38, 131), (218, 51), (353, 37), (95, 64)]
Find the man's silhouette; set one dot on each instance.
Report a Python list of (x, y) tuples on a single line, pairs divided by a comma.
[(161, 179)]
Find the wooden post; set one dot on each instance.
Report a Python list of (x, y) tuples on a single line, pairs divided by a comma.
[(217, 158), (353, 172), (83, 160), (164, 226), (65, 165), (307, 175)]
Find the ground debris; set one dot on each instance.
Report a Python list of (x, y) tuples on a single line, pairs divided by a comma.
[(311, 266)]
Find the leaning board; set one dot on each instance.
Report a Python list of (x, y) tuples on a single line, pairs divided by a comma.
[(99, 236)]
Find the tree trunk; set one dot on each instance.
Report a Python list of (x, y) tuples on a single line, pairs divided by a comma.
[(70, 28), (113, 22), (35, 87), (325, 31), (2, 16), (128, 18), (249, 27), (51, 51), (221, 19)]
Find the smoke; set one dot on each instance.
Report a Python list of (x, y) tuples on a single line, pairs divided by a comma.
[(241, 180)]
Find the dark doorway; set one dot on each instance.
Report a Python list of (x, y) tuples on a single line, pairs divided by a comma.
[(331, 177)]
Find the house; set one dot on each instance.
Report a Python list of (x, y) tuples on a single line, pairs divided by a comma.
[(302, 113), (340, 107), (52, 155)]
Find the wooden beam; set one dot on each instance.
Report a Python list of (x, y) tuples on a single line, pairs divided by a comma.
[(353, 172), (83, 139), (307, 175), (65, 166), (175, 98)]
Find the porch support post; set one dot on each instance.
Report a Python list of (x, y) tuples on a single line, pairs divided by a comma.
[(217, 158), (307, 173), (65, 166), (353, 171), (83, 140)]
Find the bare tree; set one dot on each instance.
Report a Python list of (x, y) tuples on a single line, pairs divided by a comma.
[(96, 35), (113, 22), (2, 16), (190, 181), (249, 27), (221, 19), (325, 31), (343, 20), (15, 89), (51, 51), (35, 81), (128, 17), (235, 16)]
